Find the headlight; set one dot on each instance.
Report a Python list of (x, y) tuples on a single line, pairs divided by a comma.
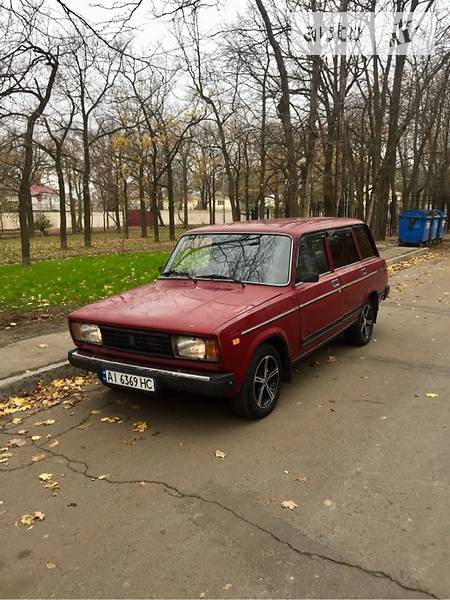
[(86, 332), (194, 348)]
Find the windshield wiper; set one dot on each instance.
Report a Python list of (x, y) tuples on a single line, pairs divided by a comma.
[(178, 274), (222, 277)]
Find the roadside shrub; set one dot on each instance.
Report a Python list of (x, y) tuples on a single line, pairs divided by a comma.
[(42, 224)]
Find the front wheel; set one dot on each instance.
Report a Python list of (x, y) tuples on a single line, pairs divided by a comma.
[(360, 333), (261, 388)]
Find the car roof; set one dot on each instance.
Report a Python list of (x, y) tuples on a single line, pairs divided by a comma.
[(287, 226)]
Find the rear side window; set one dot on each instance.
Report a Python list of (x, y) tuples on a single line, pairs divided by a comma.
[(312, 257), (343, 248), (365, 243)]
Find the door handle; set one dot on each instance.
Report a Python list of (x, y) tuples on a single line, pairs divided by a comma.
[(364, 271), (335, 283)]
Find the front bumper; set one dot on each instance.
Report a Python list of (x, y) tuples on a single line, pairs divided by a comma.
[(210, 384)]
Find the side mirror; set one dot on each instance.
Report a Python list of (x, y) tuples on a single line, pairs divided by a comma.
[(308, 277)]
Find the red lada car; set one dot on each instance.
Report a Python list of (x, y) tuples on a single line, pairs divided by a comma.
[(234, 307)]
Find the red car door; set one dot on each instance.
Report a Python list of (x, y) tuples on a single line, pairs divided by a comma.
[(347, 267), (320, 302)]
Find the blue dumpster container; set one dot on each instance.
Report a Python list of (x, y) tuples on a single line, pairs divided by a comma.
[(441, 225), (434, 226), (414, 228)]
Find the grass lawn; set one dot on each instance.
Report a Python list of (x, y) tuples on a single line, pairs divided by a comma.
[(111, 242), (74, 281)]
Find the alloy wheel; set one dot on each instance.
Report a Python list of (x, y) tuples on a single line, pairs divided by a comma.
[(366, 323), (266, 381)]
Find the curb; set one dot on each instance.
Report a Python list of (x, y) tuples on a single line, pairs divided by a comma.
[(406, 255), (26, 382)]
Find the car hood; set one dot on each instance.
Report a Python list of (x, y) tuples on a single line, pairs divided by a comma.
[(179, 306)]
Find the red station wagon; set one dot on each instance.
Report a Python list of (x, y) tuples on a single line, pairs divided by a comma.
[(234, 307)]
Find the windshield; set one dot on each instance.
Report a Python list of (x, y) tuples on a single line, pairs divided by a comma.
[(249, 258)]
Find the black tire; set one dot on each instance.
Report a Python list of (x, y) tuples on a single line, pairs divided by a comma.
[(360, 333), (261, 388)]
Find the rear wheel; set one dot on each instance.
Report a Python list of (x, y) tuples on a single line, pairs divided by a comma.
[(359, 333), (261, 388)]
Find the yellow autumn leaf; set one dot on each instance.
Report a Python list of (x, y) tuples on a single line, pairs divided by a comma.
[(38, 457), (52, 485), (30, 519), (289, 504), (111, 420), (45, 476), (140, 426)]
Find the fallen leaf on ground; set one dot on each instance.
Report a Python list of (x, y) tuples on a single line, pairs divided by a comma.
[(52, 485), (107, 476), (84, 426), (16, 443), (95, 412), (432, 395), (53, 444), (111, 420), (227, 586), (17, 420), (140, 426), (38, 457), (59, 383), (331, 359), (5, 455), (301, 478), (22, 432), (3, 460), (219, 454), (46, 422), (289, 504), (130, 441), (51, 565), (30, 519), (35, 438), (329, 503), (42, 346), (45, 476)]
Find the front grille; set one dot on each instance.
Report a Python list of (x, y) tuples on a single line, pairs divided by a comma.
[(152, 343)]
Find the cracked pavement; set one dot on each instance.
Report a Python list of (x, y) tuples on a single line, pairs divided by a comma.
[(172, 520)]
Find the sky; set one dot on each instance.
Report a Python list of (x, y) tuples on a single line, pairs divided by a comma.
[(148, 29)]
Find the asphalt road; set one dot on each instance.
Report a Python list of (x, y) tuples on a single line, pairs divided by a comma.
[(355, 442)]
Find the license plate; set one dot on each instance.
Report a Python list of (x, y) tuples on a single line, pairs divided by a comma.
[(136, 382)]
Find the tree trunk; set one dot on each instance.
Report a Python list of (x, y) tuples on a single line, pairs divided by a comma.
[(185, 191), (126, 231), (24, 191), (25, 219), (284, 112), (171, 199), (154, 199), (86, 190), (62, 200), (142, 201), (73, 214)]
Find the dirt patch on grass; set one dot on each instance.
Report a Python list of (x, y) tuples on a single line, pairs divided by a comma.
[(16, 326)]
